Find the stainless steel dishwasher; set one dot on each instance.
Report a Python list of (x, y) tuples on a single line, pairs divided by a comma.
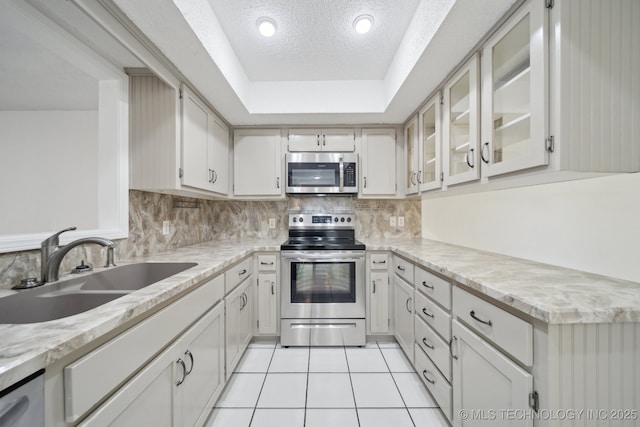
[(22, 404)]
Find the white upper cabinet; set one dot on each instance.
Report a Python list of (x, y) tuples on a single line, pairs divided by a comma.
[(412, 154), (378, 163), (205, 147), (257, 163), (514, 93), (461, 126), (331, 140), (430, 135)]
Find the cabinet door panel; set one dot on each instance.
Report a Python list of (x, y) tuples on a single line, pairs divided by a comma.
[(267, 303), (430, 134), (484, 379), (403, 315), (412, 152), (305, 140), (257, 164), (205, 363), (195, 168), (378, 162), (218, 155), (379, 302), (338, 140)]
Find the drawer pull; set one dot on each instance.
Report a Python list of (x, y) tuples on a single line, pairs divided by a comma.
[(426, 313), (380, 262), (188, 353), (472, 313), (273, 289), (374, 286), (451, 347), (407, 305), (424, 374), (426, 285), (266, 263), (184, 371), (401, 268), (429, 346), (243, 271)]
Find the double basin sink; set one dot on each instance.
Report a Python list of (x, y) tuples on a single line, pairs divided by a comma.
[(62, 299)]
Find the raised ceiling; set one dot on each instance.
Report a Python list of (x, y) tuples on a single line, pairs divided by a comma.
[(316, 69)]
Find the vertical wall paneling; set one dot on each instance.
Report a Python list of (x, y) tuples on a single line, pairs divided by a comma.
[(599, 101)]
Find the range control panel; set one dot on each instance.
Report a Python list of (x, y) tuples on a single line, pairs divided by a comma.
[(324, 220)]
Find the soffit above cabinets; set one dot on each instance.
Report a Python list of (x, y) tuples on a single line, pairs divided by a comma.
[(316, 69)]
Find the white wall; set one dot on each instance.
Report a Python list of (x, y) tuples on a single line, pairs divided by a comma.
[(591, 224), (48, 164)]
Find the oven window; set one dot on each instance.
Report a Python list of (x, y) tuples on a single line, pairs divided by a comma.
[(317, 282)]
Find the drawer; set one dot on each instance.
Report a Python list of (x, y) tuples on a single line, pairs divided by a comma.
[(433, 315), (403, 268), (435, 382), (512, 334), (95, 375), (237, 274), (434, 346), (434, 286), (378, 261), (267, 262)]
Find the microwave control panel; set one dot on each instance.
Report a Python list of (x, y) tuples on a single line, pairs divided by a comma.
[(350, 175)]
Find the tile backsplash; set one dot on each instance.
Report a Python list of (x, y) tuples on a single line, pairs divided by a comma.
[(195, 221)]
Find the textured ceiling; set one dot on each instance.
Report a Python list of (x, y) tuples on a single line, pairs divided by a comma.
[(315, 40)]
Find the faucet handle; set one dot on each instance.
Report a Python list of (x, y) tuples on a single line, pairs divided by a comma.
[(53, 239)]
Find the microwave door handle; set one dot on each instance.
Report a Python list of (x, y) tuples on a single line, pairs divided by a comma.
[(341, 175)]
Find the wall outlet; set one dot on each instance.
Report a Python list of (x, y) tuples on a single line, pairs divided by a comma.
[(272, 223), (165, 227), (400, 221), (392, 221)]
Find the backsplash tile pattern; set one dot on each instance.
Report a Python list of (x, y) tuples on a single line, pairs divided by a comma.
[(216, 219)]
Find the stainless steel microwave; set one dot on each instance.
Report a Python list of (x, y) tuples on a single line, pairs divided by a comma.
[(322, 173)]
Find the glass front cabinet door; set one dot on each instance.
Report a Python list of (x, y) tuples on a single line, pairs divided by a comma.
[(411, 156), (461, 126), (514, 93), (429, 137)]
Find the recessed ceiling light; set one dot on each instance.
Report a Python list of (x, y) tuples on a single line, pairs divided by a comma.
[(363, 23), (266, 26)]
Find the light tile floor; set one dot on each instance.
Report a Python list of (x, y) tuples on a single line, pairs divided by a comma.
[(373, 386)]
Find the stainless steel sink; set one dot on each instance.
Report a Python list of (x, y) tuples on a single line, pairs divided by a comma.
[(66, 298)]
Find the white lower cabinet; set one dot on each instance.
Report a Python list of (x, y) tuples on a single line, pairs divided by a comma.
[(178, 388), (239, 319), (378, 293), (267, 303), (403, 315), (487, 386)]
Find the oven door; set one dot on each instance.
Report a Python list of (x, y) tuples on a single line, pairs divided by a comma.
[(323, 284)]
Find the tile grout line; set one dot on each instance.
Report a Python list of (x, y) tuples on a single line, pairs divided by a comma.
[(353, 392), (396, 384), (306, 394), (263, 382)]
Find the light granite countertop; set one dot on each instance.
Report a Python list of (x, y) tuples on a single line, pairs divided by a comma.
[(547, 293)]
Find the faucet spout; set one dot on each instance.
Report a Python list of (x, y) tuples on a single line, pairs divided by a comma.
[(52, 254)]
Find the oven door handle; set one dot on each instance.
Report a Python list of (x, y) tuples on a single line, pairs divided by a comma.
[(317, 260)]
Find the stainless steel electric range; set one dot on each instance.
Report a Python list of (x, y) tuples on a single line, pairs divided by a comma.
[(323, 297)]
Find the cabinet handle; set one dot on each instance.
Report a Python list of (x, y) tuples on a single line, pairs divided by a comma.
[(273, 289), (472, 313), (471, 165), (266, 263), (429, 346), (453, 338), (485, 145), (318, 140), (215, 177), (380, 262), (365, 181), (373, 282), (190, 355), (426, 313), (278, 182), (401, 268), (324, 139), (242, 272), (419, 177), (407, 305), (413, 181), (184, 371), (210, 176), (426, 285), (424, 374)]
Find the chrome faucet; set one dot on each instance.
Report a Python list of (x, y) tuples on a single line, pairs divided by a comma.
[(52, 253)]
